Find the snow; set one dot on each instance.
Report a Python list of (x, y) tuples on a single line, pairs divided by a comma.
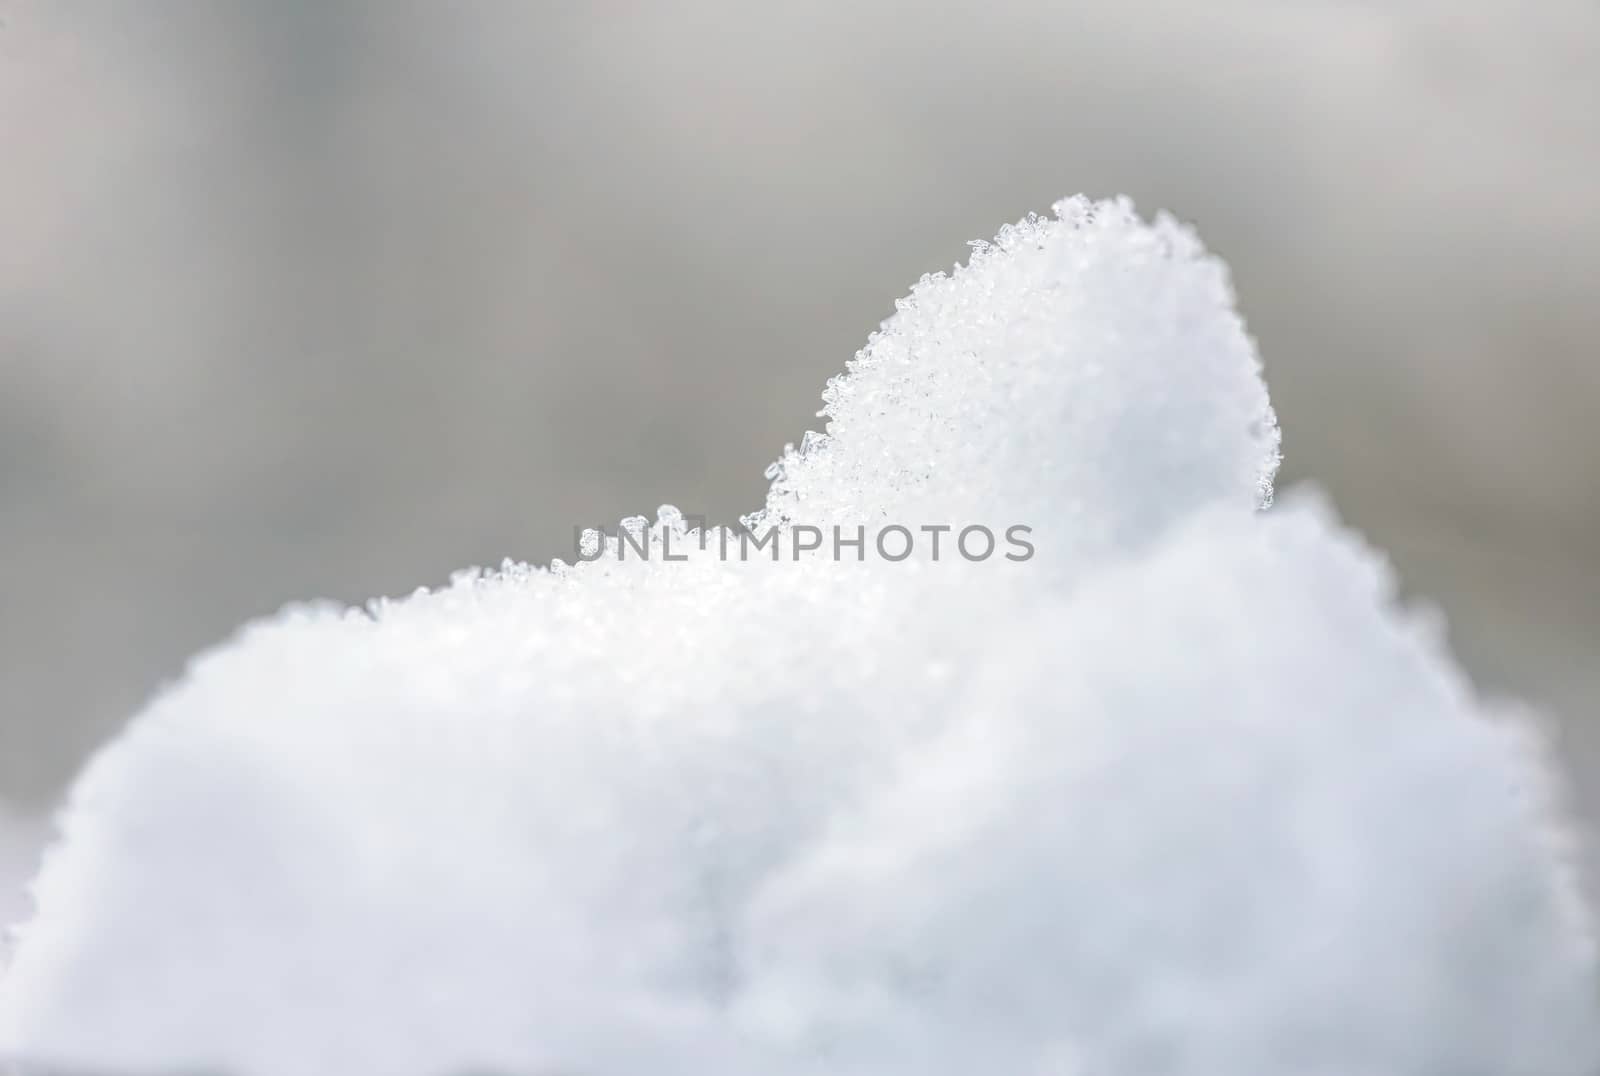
[(1184, 793), (1084, 370)]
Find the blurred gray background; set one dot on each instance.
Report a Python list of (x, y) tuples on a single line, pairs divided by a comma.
[(307, 298)]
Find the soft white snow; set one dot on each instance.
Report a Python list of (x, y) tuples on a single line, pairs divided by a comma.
[(1183, 794)]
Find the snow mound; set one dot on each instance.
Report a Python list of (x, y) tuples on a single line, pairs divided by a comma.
[(1182, 793)]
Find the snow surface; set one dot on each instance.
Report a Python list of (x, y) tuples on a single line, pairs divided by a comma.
[(1183, 794)]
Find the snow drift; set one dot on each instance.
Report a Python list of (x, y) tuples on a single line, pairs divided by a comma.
[(1184, 793)]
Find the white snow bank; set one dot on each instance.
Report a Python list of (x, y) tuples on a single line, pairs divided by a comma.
[(1181, 794)]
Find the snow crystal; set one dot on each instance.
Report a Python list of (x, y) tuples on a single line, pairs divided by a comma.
[(1181, 794)]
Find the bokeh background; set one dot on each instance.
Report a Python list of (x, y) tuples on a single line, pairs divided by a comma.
[(327, 298)]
